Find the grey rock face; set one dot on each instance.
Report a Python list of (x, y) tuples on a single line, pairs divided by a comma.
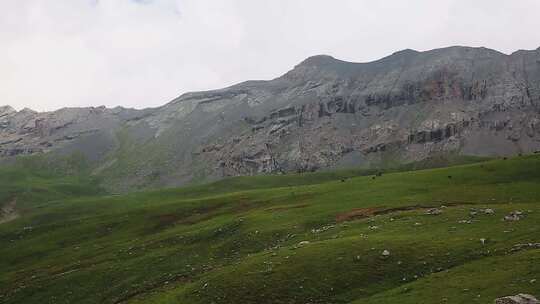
[(325, 113), (518, 299), (409, 105), (68, 129)]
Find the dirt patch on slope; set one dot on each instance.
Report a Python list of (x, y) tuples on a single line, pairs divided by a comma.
[(356, 214), (8, 212), (360, 213), (289, 207)]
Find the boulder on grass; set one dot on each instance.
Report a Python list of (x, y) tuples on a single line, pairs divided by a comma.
[(517, 299)]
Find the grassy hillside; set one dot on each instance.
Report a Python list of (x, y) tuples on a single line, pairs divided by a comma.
[(32, 182), (314, 238)]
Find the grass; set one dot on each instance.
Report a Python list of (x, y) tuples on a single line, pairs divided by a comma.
[(310, 238)]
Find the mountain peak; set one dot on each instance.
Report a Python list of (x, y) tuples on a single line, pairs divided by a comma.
[(318, 60), (28, 110), (4, 110), (406, 52)]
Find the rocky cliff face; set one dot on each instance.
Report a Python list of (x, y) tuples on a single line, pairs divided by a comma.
[(324, 113), (88, 130)]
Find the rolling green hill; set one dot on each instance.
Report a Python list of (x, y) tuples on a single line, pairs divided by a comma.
[(329, 237)]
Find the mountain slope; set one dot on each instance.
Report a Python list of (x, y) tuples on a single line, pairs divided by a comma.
[(281, 239), (325, 113)]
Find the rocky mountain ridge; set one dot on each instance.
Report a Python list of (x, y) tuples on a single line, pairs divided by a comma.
[(324, 113)]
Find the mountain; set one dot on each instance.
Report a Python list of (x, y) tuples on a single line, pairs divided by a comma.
[(324, 113)]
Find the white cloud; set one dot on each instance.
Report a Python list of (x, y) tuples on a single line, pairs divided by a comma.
[(145, 52)]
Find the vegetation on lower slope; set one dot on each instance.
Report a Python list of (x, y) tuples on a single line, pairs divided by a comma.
[(315, 238), (32, 181)]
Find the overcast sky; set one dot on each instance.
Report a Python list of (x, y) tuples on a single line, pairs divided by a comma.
[(140, 53)]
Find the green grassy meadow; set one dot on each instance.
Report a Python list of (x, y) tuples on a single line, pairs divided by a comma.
[(305, 238)]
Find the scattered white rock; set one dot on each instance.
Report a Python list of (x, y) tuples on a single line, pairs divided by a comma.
[(322, 229), (433, 211), (514, 216), (386, 253), (517, 299), (519, 247), (303, 243), (489, 211)]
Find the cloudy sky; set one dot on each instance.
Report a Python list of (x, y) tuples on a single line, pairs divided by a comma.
[(140, 53)]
